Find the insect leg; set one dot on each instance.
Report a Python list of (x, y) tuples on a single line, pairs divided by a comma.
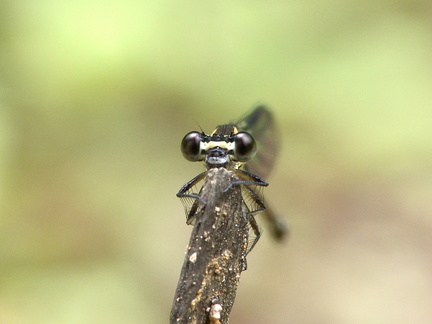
[(246, 178), (190, 212), (256, 230)]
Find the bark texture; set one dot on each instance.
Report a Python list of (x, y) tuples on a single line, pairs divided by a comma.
[(216, 254)]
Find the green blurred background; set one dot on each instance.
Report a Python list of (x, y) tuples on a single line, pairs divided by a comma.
[(95, 97)]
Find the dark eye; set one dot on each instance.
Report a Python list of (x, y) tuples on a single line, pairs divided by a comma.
[(190, 146), (245, 147)]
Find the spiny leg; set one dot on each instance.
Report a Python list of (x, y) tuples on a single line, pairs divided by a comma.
[(183, 194), (188, 185), (246, 178), (256, 231), (252, 196)]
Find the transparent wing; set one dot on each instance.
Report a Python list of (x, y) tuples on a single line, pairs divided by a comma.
[(260, 125)]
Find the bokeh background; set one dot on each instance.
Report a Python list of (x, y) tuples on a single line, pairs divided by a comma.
[(95, 97)]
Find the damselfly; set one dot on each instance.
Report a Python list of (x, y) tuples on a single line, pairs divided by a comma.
[(249, 143)]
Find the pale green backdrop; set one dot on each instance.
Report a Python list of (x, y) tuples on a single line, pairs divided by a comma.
[(95, 97)]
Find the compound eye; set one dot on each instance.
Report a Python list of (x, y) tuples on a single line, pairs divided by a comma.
[(245, 147), (190, 146)]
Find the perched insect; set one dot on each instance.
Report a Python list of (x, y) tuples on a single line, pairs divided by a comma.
[(249, 143)]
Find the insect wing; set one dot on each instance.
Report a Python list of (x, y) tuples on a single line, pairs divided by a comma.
[(260, 125)]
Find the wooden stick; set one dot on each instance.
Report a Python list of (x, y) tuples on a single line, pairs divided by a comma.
[(215, 256)]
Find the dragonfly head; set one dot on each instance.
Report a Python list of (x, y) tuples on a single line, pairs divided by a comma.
[(219, 150)]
